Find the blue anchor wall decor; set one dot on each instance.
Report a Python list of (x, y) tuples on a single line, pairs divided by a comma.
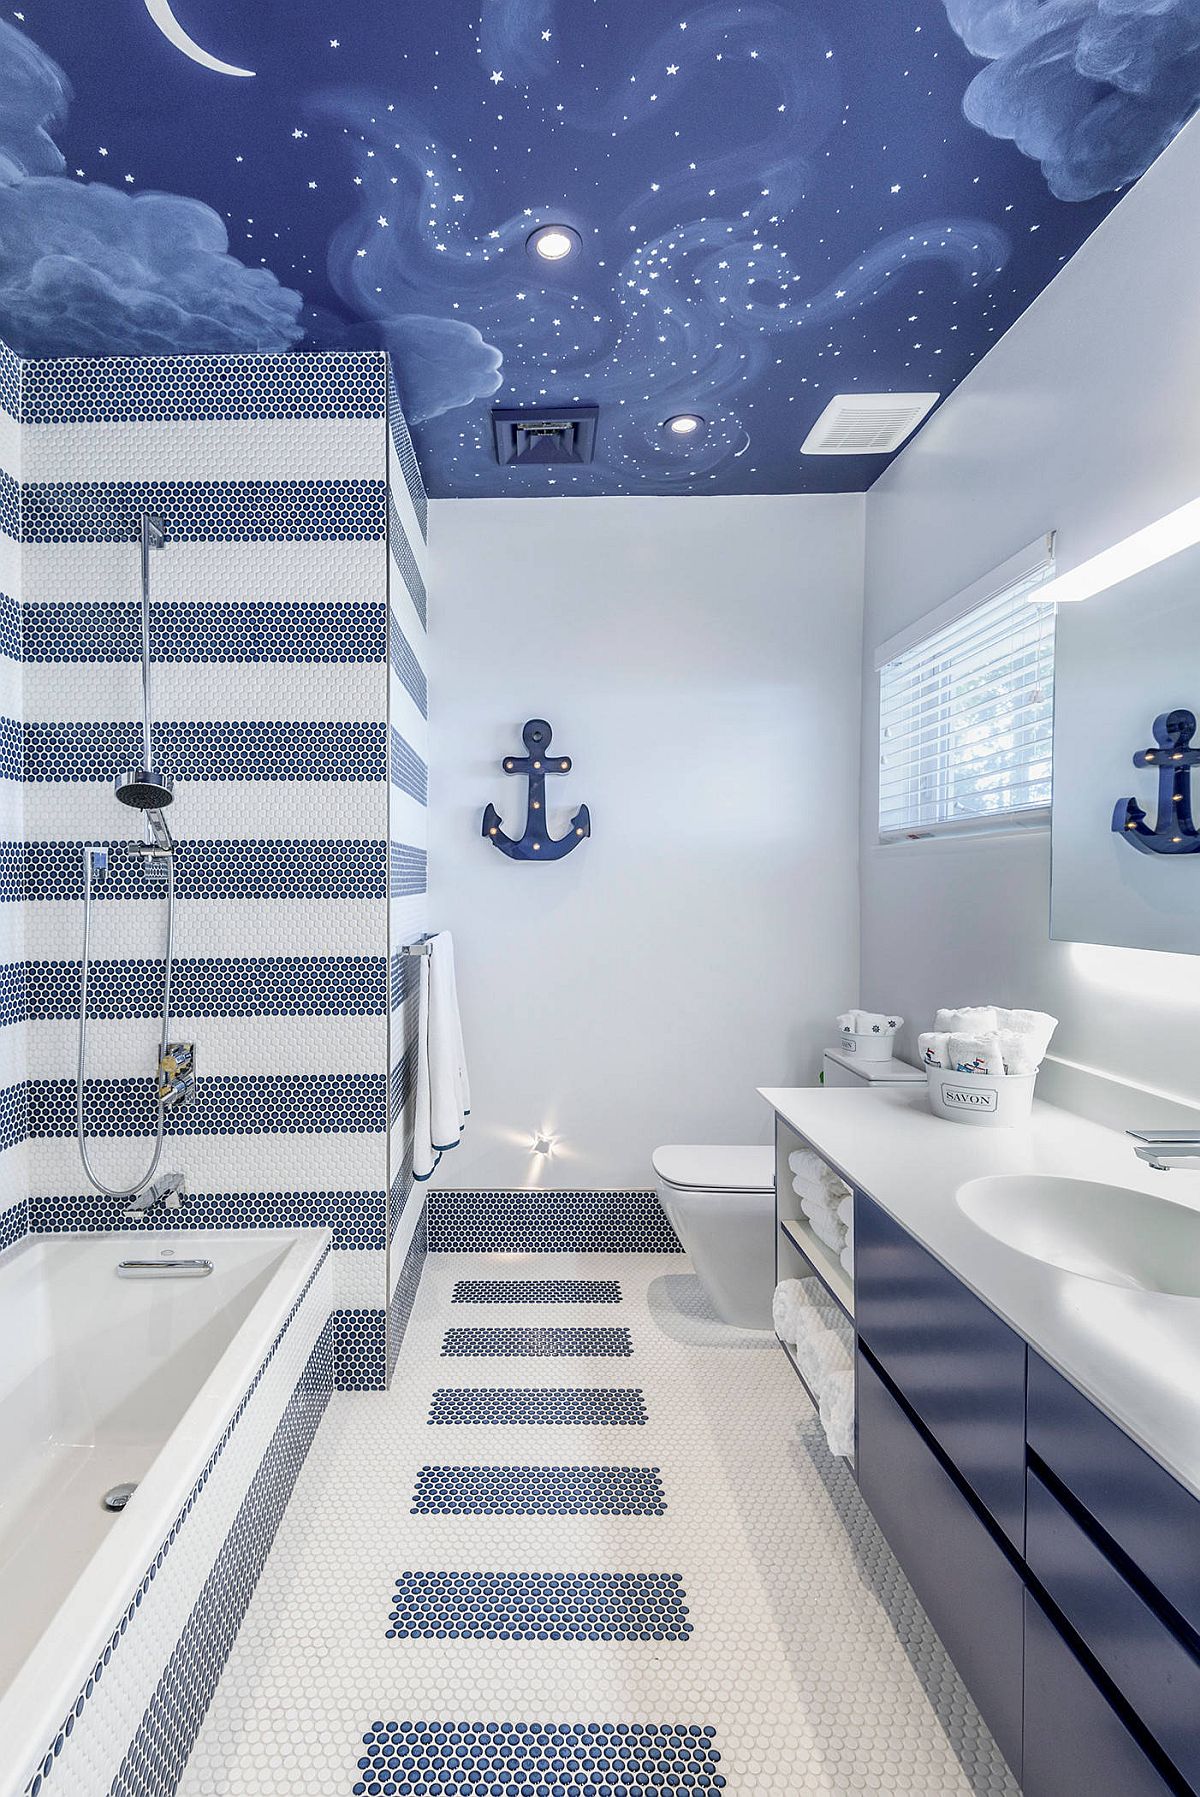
[(1174, 833), (536, 844)]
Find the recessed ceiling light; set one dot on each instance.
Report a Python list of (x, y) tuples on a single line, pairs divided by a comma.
[(684, 424), (553, 243)]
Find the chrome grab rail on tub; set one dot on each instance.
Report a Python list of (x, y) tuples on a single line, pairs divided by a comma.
[(164, 1269)]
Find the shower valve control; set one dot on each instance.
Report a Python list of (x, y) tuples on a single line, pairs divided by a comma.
[(177, 1075)]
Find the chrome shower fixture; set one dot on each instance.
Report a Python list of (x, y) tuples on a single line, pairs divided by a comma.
[(147, 790)]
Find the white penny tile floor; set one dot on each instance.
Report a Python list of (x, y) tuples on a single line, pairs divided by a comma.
[(622, 1559)]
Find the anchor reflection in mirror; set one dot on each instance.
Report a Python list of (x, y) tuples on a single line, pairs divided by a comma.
[(1173, 833), (535, 843)]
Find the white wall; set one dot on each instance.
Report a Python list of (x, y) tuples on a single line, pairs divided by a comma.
[(699, 660), (1084, 418)]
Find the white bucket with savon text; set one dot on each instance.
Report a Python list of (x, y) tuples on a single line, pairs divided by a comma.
[(992, 1101)]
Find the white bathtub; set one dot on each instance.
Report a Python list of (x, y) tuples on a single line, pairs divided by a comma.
[(180, 1385)]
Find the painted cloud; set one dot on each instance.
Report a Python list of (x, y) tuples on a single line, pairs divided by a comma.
[(88, 270), (1090, 89), (440, 363)]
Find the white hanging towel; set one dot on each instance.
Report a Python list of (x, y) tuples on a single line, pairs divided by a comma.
[(443, 1101)]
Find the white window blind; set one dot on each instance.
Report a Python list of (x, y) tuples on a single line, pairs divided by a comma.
[(966, 713)]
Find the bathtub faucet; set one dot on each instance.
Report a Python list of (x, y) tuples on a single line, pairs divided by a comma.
[(169, 1190)]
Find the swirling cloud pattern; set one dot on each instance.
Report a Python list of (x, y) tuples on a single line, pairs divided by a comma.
[(88, 270), (775, 202), (1092, 90)]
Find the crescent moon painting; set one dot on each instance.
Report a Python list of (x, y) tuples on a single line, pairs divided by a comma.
[(726, 211), (168, 24)]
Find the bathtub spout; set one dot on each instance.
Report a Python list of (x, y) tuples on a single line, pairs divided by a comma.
[(169, 1190)]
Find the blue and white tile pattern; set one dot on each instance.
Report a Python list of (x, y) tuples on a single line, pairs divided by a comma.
[(581, 1406), (539, 1606)]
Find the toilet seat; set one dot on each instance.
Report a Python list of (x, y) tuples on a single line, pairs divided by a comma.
[(717, 1168)]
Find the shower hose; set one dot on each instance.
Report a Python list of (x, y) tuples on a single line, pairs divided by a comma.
[(129, 1191)]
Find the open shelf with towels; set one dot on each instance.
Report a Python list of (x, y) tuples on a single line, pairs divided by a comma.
[(797, 1241), (822, 1261)]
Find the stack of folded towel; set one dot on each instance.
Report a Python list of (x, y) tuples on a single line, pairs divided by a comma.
[(826, 1202), (987, 1039), (808, 1320), (869, 1023)]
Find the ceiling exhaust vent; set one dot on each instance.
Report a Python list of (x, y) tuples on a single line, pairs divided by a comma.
[(553, 434), (867, 423)]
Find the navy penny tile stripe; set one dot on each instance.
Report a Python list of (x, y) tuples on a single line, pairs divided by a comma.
[(206, 511), (407, 870), (14, 1114), (360, 1349), (13, 1224), (223, 986), (14, 1003), (204, 870), (225, 1105), (406, 561), (408, 770), (405, 978), (10, 506), (406, 455), (401, 1190), (357, 1219), (401, 1081), (579, 1222), (12, 751), (536, 1759), (120, 390), (538, 1491), (537, 1343), (406, 667), (539, 1606), (10, 627), (536, 1291), (10, 385), (203, 631), (199, 751), (594, 1407)]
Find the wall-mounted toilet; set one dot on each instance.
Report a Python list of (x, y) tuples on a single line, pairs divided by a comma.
[(721, 1203)]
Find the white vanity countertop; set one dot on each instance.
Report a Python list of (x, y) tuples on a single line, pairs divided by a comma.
[(1136, 1354)]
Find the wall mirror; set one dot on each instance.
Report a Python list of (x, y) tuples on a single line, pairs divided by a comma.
[(1128, 655)]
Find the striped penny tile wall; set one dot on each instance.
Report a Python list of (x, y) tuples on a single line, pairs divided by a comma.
[(288, 623)]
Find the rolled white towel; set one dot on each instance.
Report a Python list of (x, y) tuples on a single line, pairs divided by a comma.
[(934, 1048), (845, 1213), (837, 1412), (806, 1164), (977, 1053), (1019, 1050), (824, 1226), (847, 1257), (969, 1020), (1034, 1027), (846, 1021), (870, 1023), (820, 1352), (789, 1298)]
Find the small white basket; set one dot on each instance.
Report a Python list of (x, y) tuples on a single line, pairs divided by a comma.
[(991, 1101), (868, 1046)]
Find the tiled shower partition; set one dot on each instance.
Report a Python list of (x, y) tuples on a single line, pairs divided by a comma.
[(291, 504)]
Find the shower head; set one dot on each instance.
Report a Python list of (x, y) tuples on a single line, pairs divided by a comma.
[(144, 789)]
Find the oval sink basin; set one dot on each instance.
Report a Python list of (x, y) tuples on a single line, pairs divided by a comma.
[(1099, 1231)]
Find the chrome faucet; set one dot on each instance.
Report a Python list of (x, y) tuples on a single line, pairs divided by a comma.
[(169, 1190), (1166, 1148)]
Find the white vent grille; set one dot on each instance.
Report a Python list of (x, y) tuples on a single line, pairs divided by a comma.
[(866, 423)]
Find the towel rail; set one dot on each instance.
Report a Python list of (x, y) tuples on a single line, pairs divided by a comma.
[(424, 947)]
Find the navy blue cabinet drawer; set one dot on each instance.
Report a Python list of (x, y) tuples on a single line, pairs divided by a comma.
[(960, 1368), (971, 1591), (1075, 1743), (1145, 1511), (1153, 1670)]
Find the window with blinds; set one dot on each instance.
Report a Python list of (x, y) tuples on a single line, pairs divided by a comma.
[(966, 715)]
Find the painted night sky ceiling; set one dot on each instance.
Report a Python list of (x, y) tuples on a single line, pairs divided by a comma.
[(776, 201)]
